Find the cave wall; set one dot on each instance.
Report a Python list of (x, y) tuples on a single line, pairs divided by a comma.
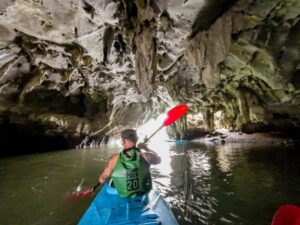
[(81, 68), (249, 64)]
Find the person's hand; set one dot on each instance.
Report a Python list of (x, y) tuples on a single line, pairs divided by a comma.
[(142, 146), (92, 189)]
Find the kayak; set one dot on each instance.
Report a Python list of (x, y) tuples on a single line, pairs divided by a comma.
[(177, 141), (287, 215), (109, 208)]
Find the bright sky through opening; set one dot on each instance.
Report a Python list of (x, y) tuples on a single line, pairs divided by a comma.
[(151, 126)]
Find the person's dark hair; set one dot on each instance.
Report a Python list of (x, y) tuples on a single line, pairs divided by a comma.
[(129, 134)]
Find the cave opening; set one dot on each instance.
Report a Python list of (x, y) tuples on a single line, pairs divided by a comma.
[(145, 130), (19, 139)]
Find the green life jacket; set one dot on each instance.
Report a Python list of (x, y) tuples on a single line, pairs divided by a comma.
[(131, 175)]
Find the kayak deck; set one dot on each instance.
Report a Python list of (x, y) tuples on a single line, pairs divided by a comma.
[(109, 208)]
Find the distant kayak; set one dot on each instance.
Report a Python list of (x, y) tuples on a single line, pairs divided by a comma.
[(177, 141), (109, 208)]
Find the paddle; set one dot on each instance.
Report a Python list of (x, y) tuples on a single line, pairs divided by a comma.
[(81, 194), (172, 115), (287, 215)]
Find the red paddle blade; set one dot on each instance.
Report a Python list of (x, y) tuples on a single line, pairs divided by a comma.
[(77, 195), (175, 113), (287, 215)]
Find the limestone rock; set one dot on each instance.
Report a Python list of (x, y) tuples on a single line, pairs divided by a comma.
[(84, 69)]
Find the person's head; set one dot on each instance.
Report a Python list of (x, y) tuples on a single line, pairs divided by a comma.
[(129, 138)]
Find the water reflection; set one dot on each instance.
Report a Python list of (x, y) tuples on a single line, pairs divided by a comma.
[(225, 184), (215, 184), (162, 172), (224, 155)]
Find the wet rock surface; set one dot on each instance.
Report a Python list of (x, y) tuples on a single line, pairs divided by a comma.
[(221, 137), (89, 68)]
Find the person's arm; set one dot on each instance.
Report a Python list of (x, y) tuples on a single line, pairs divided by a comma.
[(150, 156), (108, 169)]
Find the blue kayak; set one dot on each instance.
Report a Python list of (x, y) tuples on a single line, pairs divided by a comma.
[(109, 208), (177, 141)]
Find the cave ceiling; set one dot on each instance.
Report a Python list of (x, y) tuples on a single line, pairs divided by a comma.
[(89, 68)]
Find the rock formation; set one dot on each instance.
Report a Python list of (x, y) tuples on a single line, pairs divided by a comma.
[(71, 69)]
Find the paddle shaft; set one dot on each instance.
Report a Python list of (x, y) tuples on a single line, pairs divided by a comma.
[(147, 139), (174, 114), (95, 186)]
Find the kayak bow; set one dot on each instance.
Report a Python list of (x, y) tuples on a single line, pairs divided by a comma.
[(109, 208)]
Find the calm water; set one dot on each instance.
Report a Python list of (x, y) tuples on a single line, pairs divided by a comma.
[(226, 184)]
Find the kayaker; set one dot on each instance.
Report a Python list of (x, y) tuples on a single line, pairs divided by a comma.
[(130, 169)]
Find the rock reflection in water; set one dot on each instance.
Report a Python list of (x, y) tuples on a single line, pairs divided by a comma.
[(215, 184), (227, 184)]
